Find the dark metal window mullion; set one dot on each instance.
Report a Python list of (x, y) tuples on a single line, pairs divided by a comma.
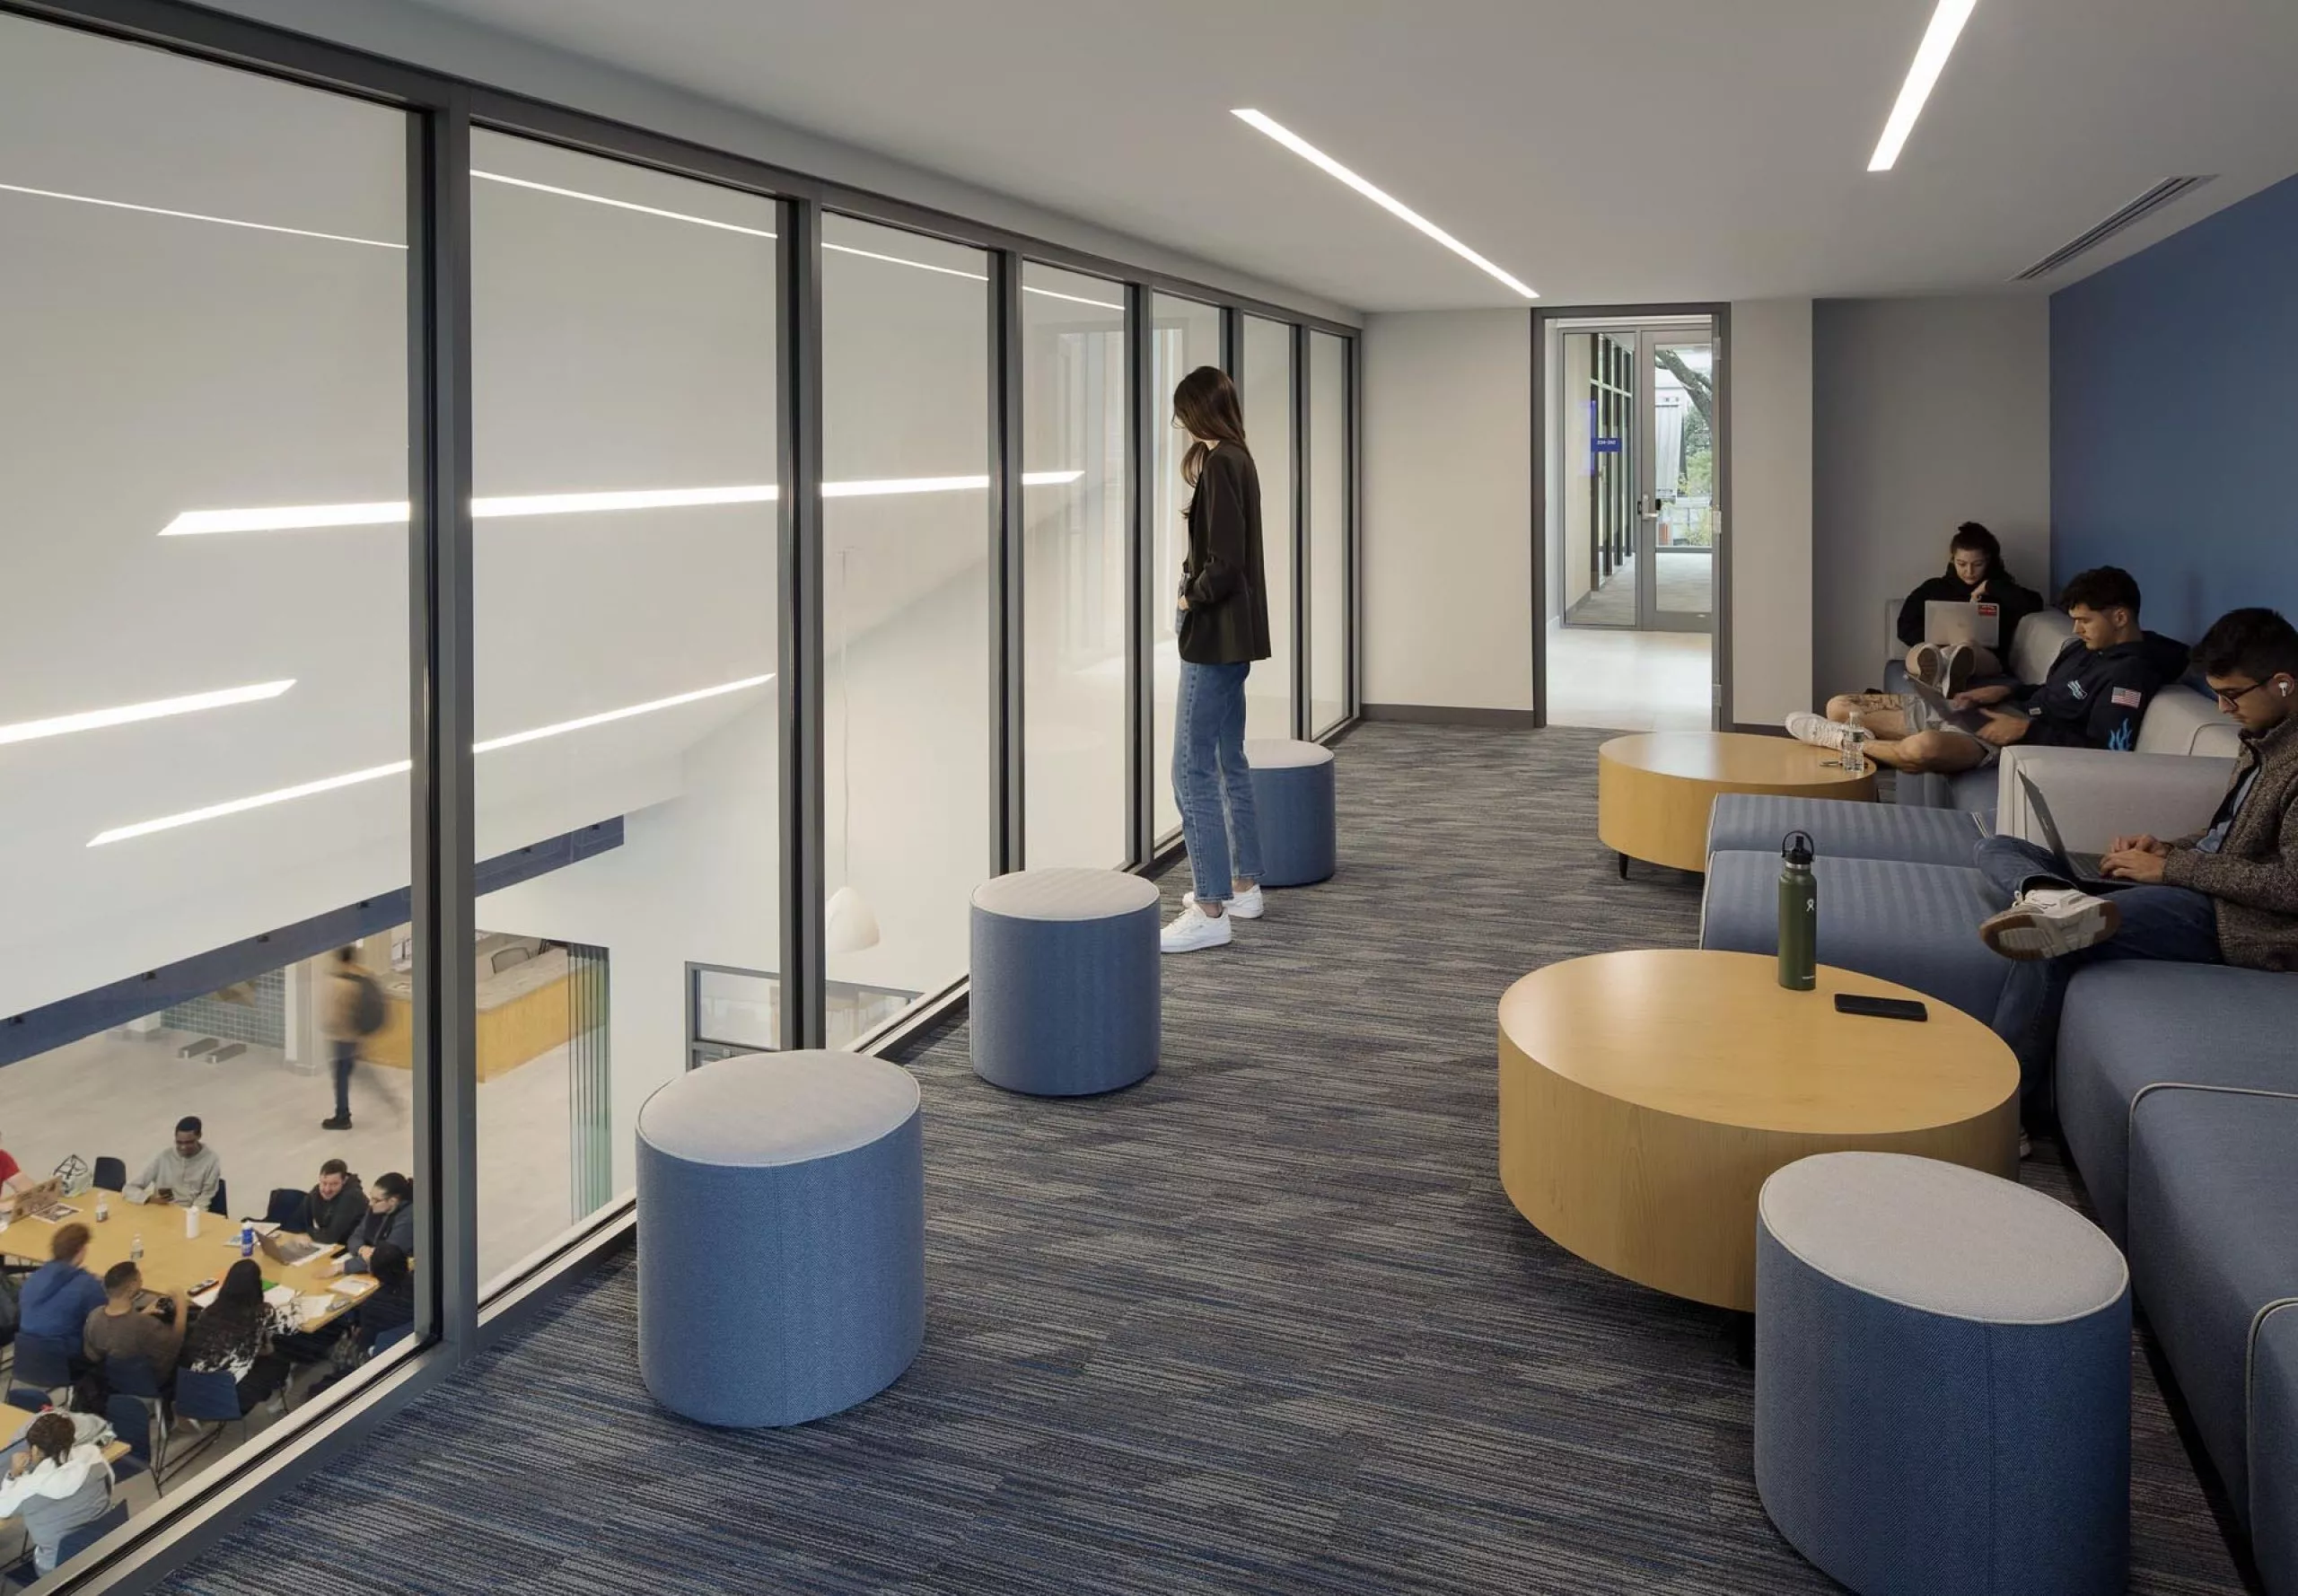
[(1140, 579), (440, 614), (1008, 750), (1296, 400), (798, 446)]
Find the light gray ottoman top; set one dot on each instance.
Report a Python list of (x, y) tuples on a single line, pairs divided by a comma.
[(1942, 1238), (760, 1109), (1065, 895), (1281, 753)]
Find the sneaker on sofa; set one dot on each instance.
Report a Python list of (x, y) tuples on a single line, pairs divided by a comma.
[(2046, 922)]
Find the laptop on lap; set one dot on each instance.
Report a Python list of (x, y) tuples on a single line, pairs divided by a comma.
[(2082, 872)]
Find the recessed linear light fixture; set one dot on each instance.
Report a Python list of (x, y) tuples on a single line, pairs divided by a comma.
[(1930, 61), (128, 714), (309, 789), (154, 210), (301, 518), (1386, 201)]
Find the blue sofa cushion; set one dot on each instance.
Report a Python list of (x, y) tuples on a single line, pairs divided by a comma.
[(1754, 822), (2213, 1239), (2273, 1447), (2127, 1026), (1914, 924), (1972, 792)]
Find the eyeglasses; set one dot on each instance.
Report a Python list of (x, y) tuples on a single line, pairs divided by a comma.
[(2234, 700)]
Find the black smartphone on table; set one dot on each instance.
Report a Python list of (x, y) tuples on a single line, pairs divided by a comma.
[(1880, 1008)]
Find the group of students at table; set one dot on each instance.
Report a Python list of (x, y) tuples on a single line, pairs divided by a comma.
[(57, 1478), (237, 1333)]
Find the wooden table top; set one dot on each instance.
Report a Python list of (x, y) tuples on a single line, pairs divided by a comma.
[(172, 1261), (1713, 1036), (1728, 758)]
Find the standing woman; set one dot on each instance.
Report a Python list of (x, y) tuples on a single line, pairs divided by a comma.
[(1224, 627)]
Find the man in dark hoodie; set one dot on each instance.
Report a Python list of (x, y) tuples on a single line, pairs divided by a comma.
[(2228, 895), (339, 1204), (2094, 698)]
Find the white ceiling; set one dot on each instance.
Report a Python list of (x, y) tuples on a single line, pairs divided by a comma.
[(1642, 150)]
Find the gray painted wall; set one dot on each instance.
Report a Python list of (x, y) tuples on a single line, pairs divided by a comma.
[(1926, 413)]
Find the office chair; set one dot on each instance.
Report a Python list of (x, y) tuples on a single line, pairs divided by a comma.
[(111, 1173), (216, 1205), (389, 1339), (44, 1361), (131, 1421), (72, 1542), (27, 1398), (289, 1209), (209, 1399)]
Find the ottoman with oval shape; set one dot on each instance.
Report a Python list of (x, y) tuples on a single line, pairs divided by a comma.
[(1293, 789), (1942, 1381), (781, 1236), (1065, 999)]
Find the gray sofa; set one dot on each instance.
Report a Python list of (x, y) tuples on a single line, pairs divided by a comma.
[(2177, 1085)]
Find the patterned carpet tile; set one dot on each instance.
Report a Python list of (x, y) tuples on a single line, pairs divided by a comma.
[(1265, 1322)]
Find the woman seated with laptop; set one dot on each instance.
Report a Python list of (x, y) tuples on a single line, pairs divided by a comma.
[(1974, 575)]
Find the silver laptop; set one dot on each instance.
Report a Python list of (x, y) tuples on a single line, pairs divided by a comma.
[(2084, 873), (1948, 621), (1966, 721)]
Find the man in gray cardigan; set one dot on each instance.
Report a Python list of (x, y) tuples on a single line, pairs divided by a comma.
[(2226, 895)]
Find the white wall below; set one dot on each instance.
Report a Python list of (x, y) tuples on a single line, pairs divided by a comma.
[(1927, 413), (1447, 555), (1769, 463)]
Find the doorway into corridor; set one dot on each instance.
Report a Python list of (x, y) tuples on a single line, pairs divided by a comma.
[(1632, 520)]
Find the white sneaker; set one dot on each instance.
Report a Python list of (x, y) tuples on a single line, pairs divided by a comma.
[(1926, 664), (1192, 929), (1961, 665), (1817, 730), (2046, 922), (1244, 906)]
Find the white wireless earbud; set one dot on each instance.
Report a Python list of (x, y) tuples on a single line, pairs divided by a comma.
[(2283, 687)]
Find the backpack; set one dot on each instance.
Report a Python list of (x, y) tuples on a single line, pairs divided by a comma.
[(367, 1013)]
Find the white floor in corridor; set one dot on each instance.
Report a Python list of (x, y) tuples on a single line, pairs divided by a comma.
[(1629, 681)]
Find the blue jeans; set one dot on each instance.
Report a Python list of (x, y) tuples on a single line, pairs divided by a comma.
[(1209, 764), (2170, 923)]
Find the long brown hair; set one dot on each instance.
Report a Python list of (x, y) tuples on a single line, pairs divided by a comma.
[(1205, 402)]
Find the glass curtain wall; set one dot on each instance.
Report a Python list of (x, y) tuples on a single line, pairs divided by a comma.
[(1329, 488), (623, 370), (907, 527), (1266, 387), (203, 684), (1074, 510), (1184, 335), (207, 962)]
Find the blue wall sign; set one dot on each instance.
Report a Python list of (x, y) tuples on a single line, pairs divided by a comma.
[(1605, 445)]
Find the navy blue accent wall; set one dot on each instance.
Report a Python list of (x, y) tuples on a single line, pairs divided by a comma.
[(35, 1031), (2174, 416)]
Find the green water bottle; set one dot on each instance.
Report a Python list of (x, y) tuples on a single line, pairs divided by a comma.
[(1799, 914)]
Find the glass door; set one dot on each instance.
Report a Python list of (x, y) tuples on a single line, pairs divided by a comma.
[(1678, 517)]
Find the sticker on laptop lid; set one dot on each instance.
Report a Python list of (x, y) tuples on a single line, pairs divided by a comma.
[(2127, 697)]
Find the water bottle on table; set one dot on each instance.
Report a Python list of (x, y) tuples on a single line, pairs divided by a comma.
[(1799, 914)]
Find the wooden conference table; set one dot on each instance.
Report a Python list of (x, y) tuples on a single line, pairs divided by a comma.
[(173, 1261)]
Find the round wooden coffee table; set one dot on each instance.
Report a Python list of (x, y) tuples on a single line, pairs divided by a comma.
[(1645, 1096), (1654, 791)]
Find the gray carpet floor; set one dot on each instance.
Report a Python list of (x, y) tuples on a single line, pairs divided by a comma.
[(1264, 1323)]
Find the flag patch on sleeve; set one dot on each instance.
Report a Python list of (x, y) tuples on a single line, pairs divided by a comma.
[(2126, 698)]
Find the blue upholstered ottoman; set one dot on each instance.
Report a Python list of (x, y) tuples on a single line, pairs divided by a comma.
[(1914, 924), (1292, 789), (2273, 1445), (1065, 981), (1754, 822), (781, 1236), (1942, 1381)]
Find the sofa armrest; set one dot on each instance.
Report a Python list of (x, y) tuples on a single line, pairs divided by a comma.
[(2096, 795)]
